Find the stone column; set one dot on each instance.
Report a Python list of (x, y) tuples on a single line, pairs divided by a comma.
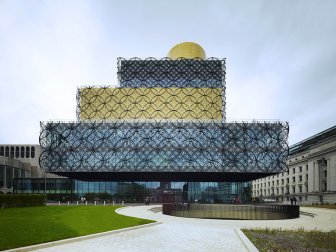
[(316, 177), (332, 173), (5, 180), (328, 175)]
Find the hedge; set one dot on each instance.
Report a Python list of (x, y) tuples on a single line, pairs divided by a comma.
[(21, 200)]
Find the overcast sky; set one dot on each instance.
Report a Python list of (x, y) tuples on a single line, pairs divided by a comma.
[(281, 56)]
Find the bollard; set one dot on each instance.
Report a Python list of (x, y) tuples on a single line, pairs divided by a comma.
[(59, 203), (122, 203), (86, 202), (77, 203), (104, 202), (113, 203), (68, 203), (95, 203)]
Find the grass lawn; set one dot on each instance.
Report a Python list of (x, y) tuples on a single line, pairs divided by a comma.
[(291, 240), (33, 225)]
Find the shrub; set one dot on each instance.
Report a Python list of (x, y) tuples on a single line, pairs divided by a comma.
[(21, 200)]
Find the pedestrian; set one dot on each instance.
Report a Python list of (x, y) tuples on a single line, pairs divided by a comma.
[(294, 199), (291, 200), (147, 201)]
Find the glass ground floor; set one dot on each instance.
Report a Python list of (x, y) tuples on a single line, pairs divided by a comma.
[(65, 189)]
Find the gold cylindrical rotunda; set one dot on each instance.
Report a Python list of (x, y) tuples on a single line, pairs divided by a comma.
[(188, 50)]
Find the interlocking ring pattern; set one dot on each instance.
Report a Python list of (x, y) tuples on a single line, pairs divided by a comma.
[(101, 103), (164, 146), (166, 72)]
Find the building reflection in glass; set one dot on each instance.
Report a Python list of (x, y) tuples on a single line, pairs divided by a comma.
[(58, 189)]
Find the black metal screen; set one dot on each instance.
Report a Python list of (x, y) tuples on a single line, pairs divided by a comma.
[(167, 121), (164, 146)]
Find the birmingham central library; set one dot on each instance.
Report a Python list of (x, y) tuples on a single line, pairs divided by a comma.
[(162, 133)]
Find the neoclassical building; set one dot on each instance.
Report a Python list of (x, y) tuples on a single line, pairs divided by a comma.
[(311, 174), (18, 161)]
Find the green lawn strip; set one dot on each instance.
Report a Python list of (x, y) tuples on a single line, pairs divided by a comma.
[(291, 240), (33, 225)]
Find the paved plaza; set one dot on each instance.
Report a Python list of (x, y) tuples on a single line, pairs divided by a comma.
[(187, 234)]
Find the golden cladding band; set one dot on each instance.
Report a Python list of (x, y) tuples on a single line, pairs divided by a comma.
[(150, 103)]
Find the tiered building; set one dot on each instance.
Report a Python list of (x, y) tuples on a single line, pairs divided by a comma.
[(161, 134)]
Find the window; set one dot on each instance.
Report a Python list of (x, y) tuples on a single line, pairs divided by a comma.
[(32, 153), (22, 152), (293, 179), (27, 151), (293, 189), (300, 169), (269, 184), (9, 176), (300, 178), (16, 173), (288, 172), (293, 170), (7, 152), (325, 174), (277, 182), (287, 180), (300, 188), (306, 167), (307, 177), (282, 181), (12, 152), (2, 151), (17, 151)]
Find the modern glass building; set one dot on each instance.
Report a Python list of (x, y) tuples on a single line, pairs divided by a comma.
[(161, 134)]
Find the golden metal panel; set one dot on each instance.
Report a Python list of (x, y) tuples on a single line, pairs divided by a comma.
[(150, 103), (188, 50)]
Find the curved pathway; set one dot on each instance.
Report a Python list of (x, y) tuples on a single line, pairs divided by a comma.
[(187, 234)]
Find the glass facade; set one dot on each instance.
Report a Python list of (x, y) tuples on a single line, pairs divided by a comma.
[(7, 174), (59, 189)]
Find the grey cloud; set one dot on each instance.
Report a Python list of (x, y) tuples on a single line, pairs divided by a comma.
[(280, 55)]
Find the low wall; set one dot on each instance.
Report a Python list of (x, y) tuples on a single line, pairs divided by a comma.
[(225, 211)]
